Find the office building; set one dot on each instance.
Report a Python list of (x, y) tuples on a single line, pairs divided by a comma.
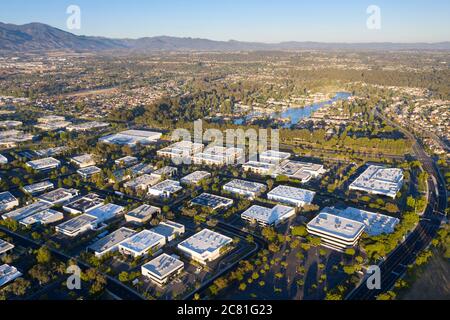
[(144, 243), (291, 196), (161, 269), (268, 217), (244, 188)]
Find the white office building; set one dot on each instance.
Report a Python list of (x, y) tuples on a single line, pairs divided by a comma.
[(84, 204), (142, 214), (132, 138), (111, 242), (272, 156), (7, 274), (376, 224), (83, 161), (89, 172), (5, 247), (244, 188), (33, 189), (7, 201), (26, 211), (161, 269), (143, 182), (44, 217), (44, 164), (302, 171), (142, 244), (266, 216), (58, 196), (195, 177), (336, 233), (212, 201), (165, 189), (260, 168), (169, 229), (77, 225), (204, 246), (219, 156), (291, 196), (181, 151), (380, 181)]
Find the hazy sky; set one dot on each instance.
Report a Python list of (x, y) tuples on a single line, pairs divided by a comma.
[(245, 20)]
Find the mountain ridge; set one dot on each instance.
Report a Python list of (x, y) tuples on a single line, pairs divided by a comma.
[(41, 37)]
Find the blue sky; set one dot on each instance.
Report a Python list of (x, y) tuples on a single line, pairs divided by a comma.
[(245, 20)]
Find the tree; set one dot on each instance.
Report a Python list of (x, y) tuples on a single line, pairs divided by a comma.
[(299, 231), (43, 255), (242, 287), (123, 276)]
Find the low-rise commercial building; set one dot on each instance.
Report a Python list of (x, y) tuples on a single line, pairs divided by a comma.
[(44, 217), (111, 242), (58, 196), (143, 182), (126, 161), (142, 214), (36, 188), (272, 156), (77, 225), (376, 224), (165, 189), (26, 211), (336, 233), (83, 161), (219, 156), (5, 247), (169, 229), (8, 273), (181, 151), (84, 204), (302, 171), (144, 243), (166, 172), (261, 168), (204, 246), (380, 181), (291, 196), (161, 269), (89, 172), (195, 177), (7, 201), (87, 126), (132, 138), (212, 201), (44, 164), (244, 188), (268, 217)]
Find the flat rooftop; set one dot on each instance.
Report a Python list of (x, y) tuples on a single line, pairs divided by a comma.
[(205, 242), (59, 195), (163, 266), (375, 223), (168, 228), (26, 211), (379, 180), (85, 203), (112, 240), (142, 241), (8, 273), (6, 198), (211, 201), (38, 186), (143, 211), (132, 137), (88, 171), (196, 177), (292, 193), (5, 246), (44, 163), (43, 217), (106, 212), (275, 155), (335, 226), (77, 223), (170, 186), (267, 215), (244, 185)]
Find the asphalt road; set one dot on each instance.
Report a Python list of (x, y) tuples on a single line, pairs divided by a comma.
[(395, 265)]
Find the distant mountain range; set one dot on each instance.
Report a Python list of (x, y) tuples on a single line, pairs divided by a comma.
[(42, 37)]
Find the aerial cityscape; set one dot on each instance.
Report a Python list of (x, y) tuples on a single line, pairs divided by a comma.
[(135, 166)]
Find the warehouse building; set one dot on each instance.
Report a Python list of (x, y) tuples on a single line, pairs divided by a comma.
[(7, 201), (111, 242), (33, 189), (7, 274), (268, 217), (244, 188), (44, 217), (84, 204), (83, 161), (272, 156), (143, 182), (44, 164), (260, 168), (291, 196), (132, 138), (26, 211), (379, 181), (142, 244), (204, 246), (142, 214), (58, 196), (165, 189), (169, 229), (89, 172), (212, 201), (5, 247), (195, 177)]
